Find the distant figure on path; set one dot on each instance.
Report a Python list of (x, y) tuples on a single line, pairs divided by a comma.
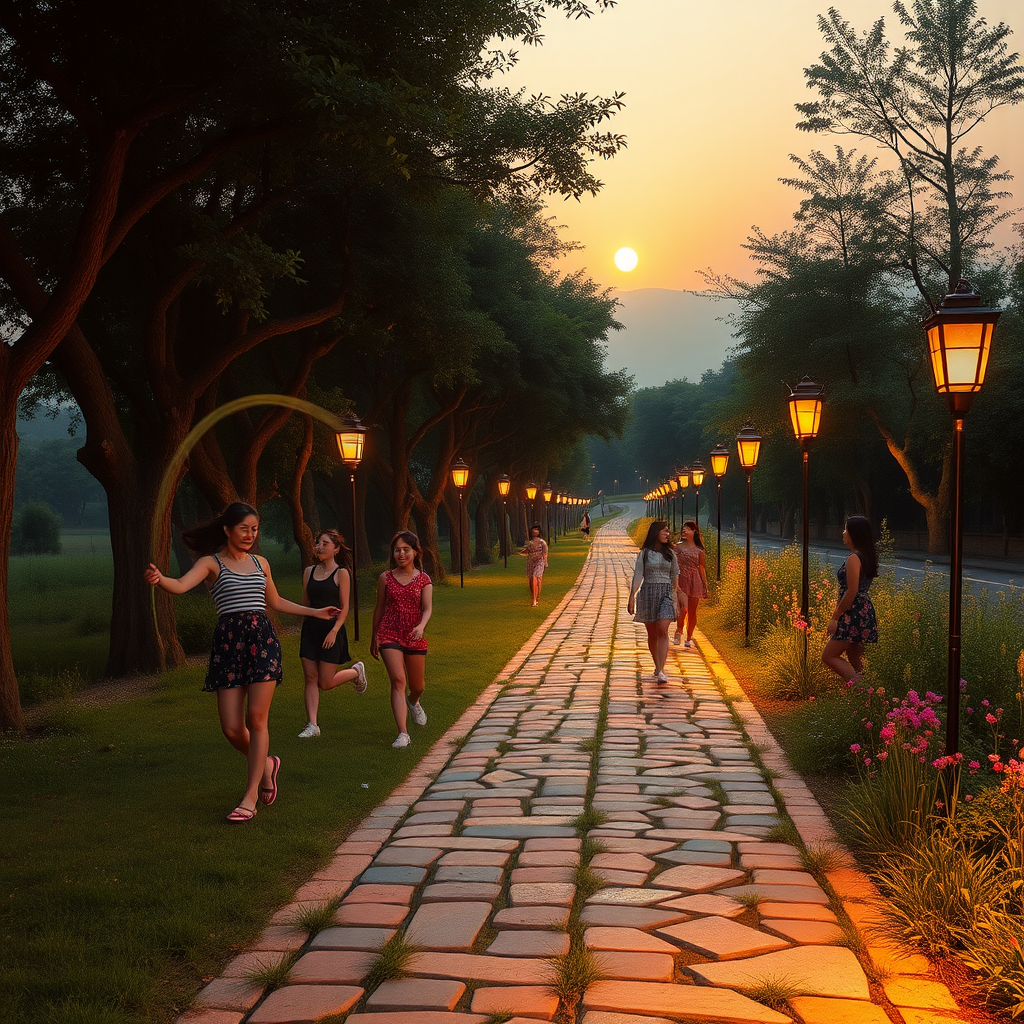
[(585, 524), (245, 661), (404, 605), (655, 578), (853, 623), (536, 551), (693, 581), (323, 646)]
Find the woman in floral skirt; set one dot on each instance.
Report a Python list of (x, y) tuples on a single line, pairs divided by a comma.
[(853, 623)]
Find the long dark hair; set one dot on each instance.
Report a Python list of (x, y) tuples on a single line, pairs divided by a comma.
[(413, 541), (858, 529), (344, 556), (696, 533), (206, 538), (652, 543)]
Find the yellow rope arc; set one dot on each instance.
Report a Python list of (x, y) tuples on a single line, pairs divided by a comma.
[(185, 448)]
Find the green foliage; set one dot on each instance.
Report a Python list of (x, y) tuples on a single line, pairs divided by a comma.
[(391, 961), (49, 472), (587, 820), (271, 972), (774, 991), (575, 971), (36, 530), (314, 918)]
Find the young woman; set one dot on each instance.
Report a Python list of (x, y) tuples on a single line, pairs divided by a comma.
[(585, 524), (245, 661), (655, 577), (853, 623), (693, 582), (404, 603), (324, 645), (536, 551)]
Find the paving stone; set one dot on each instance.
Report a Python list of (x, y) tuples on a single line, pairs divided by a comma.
[(634, 896), (416, 994), (808, 933), (532, 917), (705, 903), (621, 862), (815, 970), (817, 1010), (601, 1017), (280, 937), (557, 894), (532, 1001), (305, 1004), (766, 860), (912, 1016), (629, 917), (465, 966), (721, 938), (520, 875), (394, 873), (416, 1017), (627, 878), (448, 926), (384, 915), (637, 966), (630, 940), (461, 843), (696, 878), (550, 859), (526, 943), (210, 1017), (331, 967), (686, 1002), (779, 893), (524, 831), (894, 960), (772, 876), (380, 894), (718, 860), (351, 938), (229, 994), (459, 873), (919, 993), (473, 858), (411, 857), (447, 891)]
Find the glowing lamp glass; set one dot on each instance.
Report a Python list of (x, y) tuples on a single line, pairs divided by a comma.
[(683, 476), (503, 485), (697, 474), (960, 342), (547, 492), (748, 444), (460, 474), (350, 442), (531, 492), (720, 460)]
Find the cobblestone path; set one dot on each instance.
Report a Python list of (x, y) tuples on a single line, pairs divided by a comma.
[(590, 846)]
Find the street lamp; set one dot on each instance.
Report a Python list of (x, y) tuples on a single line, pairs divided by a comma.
[(697, 476), (460, 477), (503, 488), (683, 478), (719, 464), (805, 413), (748, 443), (546, 495), (959, 341), (351, 439), (673, 484)]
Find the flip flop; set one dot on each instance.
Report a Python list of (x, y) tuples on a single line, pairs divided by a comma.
[(268, 796), (240, 814)]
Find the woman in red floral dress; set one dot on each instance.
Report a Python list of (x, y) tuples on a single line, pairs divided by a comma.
[(404, 604)]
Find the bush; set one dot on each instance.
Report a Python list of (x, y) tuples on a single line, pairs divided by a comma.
[(36, 530)]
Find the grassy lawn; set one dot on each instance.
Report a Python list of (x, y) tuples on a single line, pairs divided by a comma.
[(123, 887)]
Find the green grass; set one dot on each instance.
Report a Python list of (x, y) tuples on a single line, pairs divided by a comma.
[(124, 888)]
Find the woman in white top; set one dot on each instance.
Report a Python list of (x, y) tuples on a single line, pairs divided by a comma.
[(655, 579)]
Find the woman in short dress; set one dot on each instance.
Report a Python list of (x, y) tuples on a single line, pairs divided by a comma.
[(245, 660), (536, 551), (404, 605), (693, 582), (656, 606), (853, 623)]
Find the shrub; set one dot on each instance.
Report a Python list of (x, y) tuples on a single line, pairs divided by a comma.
[(790, 669), (36, 530)]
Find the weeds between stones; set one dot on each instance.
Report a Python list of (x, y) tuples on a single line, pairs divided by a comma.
[(587, 820), (717, 791), (500, 1017), (784, 832), (271, 974), (821, 859), (587, 882), (589, 745), (751, 900), (314, 919), (391, 961), (458, 742), (774, 992), (575, 971), (590, 848)]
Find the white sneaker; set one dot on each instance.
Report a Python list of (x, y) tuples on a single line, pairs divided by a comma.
[(360, 677), (402, 741), (309, 732), (419, 716), (661, 677), (689, 645)]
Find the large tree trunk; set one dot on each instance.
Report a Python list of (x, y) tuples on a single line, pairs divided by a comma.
[(482, 554), (11, 716), (425, 519)]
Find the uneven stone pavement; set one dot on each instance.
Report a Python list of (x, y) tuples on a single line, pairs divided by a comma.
[(583, 807)]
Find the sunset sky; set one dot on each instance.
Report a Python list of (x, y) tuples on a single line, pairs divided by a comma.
[(710, 93)]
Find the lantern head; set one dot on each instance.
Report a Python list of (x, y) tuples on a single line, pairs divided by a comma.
[(460, 474), (748, 443), (719, 460), (547, 492), (504, 484), (350, 440), (805, 409), (531, 491), (697, 473), (683, 476)]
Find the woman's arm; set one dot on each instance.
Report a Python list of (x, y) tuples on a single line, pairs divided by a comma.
[(426, 609), (378, 614), (307, 572), (281, 604), (544, 548), (703, 574), (638, 578), (343, 585), (204, 568)]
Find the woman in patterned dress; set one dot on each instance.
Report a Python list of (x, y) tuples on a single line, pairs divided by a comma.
[(853, 623), (693, 582), (245, 660), (404, 604), (536, 551), (655, 578)]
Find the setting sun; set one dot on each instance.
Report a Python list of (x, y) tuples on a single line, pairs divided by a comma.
[(626, 259)]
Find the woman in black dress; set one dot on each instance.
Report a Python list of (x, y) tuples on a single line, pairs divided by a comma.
[(324, 645), (853, 623)]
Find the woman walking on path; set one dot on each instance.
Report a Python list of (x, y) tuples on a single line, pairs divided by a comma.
[(693, 581), (655, 578), (404, 604), (536, 551), (853, 623), (245, 660), (585, 524), (323, 646)]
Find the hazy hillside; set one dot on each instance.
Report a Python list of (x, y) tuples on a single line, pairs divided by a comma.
[(669, 334)]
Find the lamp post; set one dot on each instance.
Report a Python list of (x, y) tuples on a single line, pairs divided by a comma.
[(673, 484), (503, 488), (697, 476), (805, 414), (546, 495), (748, 443), (719, 464), (683, 477), (959, 341), (350, 447), (460, 477), (531, 497)]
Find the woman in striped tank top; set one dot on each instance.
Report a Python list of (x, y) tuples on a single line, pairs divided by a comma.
[(245, 662)]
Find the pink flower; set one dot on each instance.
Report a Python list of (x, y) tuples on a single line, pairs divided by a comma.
[(993, 757), (854, 748), (991, 719), (883, 755), (867, 760), (974, 766)]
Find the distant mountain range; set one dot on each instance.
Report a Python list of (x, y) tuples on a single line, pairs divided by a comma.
[(668, 335)]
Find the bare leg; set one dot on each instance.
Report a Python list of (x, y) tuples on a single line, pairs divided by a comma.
[(534, 589), (661, 644), (540, 583), (248, 732), (652, 642), (681, 623), (691, 616), (331, 676), (394, 662), (416, 670), (832, 658), (312, 694), (855, 655)]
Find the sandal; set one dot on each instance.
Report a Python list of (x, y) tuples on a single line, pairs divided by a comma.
[(241, 813), (269, 795)]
